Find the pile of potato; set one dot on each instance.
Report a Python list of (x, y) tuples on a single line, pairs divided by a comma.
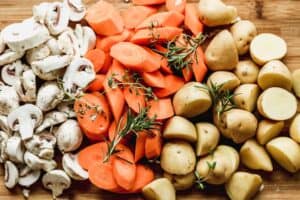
[(265, 100)]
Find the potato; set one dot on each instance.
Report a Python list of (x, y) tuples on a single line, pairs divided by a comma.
[(208, 138), (286, 152), (254, 156), (192, 100), (277, 104), (243, 186), (159, 189), (180, 128), (226, 161), (181, 182), (267, 130), (247, 71), (216, 13), (266, 47), (246, 96), (295, 129), (243, 33), (228, 79), (178, 157), (296, 82), (275, 74), (221, 53)]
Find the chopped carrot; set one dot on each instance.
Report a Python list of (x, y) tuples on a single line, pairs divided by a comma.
[(160, 109), (154, 79), (93, 113), (107, 63), (172, 85), (148, 2), (176, 5), (155, 59), (92, 136), (191, 20), (187, 74), (97, 84), (169, 18), (139, 151), (153, 145), (112, 129), (107, 42), (118, 71), (164, 62), (135, 15), (97, 57), (144, 175), (135, 98), (159, 34), (198, 66), (124, 168), (104, 18)]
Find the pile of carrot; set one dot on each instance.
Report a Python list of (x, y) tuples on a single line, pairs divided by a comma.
[(131, 75)]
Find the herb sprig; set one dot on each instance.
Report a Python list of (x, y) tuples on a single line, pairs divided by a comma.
[(200, 181)]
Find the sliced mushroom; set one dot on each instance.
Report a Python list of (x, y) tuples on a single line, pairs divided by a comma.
[(14, 149), (76, 8), (38, 53), (2, 44), (68, 43), (57, 18), (54, 47), (49, 76), (56, 181), (72, 168), (36, 163), (29, 178), (69, 136), (51, 119), (26, 87), (9, 99), (78, 75), (39, 12), (52, 63), (49, 96), (4, 125), (11, 73), (86, 38), (10, 56), (3, 142), (24, 119), (67, 108), (11, 174)]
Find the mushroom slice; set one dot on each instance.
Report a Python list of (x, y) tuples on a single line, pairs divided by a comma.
[(56, 181), (24, 119), (57, 18), (26, 35), (4, 125), (26, 87), (38, 53), (51, 119), (9, 99), (11, 73), (67, 108), (3, 142), (76, 8), (86, 38), (11, 174), (49, 96), (2, 44), (14, 149), (54, 47), (36, 163), (72, 168), (68, 43), (39, 12), (49, 76), (30, 178), (10, 56), (78, 75), (52, 63)]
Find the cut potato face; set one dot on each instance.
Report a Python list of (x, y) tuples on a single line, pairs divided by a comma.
[(275, 74), (159, 189), (295, 129), (286, 152), (266, 47), (296, 82), (267, 130), (245, 96), (181, 182), (247, 71), (228, 80), (180, 128), (277, 104)]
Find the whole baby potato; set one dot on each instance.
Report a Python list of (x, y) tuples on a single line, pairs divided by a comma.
[(247, 71)]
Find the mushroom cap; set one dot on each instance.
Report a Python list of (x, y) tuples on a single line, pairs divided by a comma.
[(11, 73), (72, 168), (9, 56), (9, 99), (76, 8), (11, 174), (56, 180), (30, 178), (57, 18)]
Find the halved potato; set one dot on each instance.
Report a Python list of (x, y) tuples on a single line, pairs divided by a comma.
[(277, 104), (275, 74), (267, 130), (266, 47), (181, 182), (228, 80), (295, 129), (246, 96), (254, 156), (247, 71), (159, 189), (296, 82), (180, 128), (286, 152)]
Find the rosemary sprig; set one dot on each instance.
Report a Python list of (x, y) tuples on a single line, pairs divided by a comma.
[(200, 181)]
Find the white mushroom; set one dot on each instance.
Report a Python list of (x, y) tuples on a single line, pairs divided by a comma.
[(36, 163), (68, 43), (67, 108), (69, 136), (72, 168), (4, 125), (2, 44), (53, 75), (24, 119), (49, 96), (10, 56), (3, 142), (26, 87), (56, 181), (11, 174), (39, 12), (11, 73), (14, 149), (9, 99), (51, 119), (54, 47), (52, 63), (76, 8), (86, 38), (78, 75), (28, 179), (57, 18), (38, 53)]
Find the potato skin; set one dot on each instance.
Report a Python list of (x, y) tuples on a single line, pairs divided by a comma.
[(246, 96), (267, 130), (229, 80), (159, 189), (208, 138), (243, 33), (247, 71), (295, 129), (181, 182), (296, 82)]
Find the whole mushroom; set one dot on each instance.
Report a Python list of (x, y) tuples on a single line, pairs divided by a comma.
[(9, 99), (56, 181)]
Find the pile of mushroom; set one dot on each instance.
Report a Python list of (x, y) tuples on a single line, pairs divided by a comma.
[(39, 67)]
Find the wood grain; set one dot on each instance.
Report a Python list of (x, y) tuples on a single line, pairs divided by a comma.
[(276, 16)]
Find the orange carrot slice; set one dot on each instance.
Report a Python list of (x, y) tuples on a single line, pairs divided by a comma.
[(198, 66), (172, 85), (107, 42), (148, 2), (118, 71), (176, 5), (144, 176), (135, 15), (139, 151), (187, 73), (135, 98), (191, 20), (97, 57), (154, 79), (164, 62), (161, 109), (107, 63), (97, 84), (153, 145)]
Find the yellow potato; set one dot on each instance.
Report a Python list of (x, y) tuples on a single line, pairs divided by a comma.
[(159, 189), (254, 156), (247, 71), (286, 152), (191, 100), (267, 130), (275, 74), (228, 80), (296, 82), (181, 182), (277, 104), (208, 138), (180, 128), (246, 96), (295, 129), (243, 186)]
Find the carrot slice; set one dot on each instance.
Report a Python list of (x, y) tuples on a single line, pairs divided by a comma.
[(104, 18), (97, 57), (144, 175), (92, 136), (93, 113), (107, 42), (191, 20), (97, 84), (135, 98), (124, 168), (107, 63), (135, 15), (155, 59), (172, 85), (153, 145), (198, 66), (187, 73), (118, 71), (164, 62), (154, 79), (148, 2), (160, 34), (161, 109), (169, 18), (176, 5), (139, 151)]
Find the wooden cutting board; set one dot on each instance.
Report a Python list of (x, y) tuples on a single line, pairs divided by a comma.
[(281, 17)]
